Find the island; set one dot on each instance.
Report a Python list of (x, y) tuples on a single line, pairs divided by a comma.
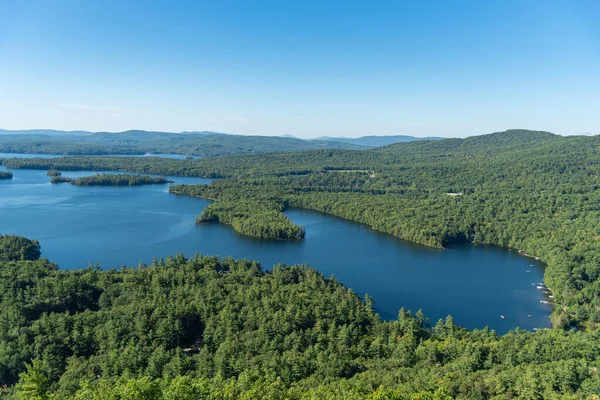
[(53, 172), (112, 180), (6, 175)]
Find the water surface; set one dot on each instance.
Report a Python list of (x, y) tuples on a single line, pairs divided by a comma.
[(116, 226)]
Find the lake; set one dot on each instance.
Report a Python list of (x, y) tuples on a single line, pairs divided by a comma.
[(116, 226)]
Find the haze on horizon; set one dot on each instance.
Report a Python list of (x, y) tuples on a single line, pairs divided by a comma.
[(307, 69)]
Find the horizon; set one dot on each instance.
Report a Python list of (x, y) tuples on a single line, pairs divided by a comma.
[(324, 138), (269, 68)]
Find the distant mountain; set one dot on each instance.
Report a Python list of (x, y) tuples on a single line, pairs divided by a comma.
[(47, 132), (202, 133), (196, 143), (486, 145), (136, 142), (377, 141)]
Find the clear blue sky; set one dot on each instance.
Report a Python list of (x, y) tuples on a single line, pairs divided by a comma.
[(301, 67)]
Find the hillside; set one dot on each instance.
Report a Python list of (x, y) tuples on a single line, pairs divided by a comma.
[(46, 132), (377, 141), (210, 328), (204, 144)]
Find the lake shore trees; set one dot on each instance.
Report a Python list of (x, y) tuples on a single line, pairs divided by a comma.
[(205, 327)]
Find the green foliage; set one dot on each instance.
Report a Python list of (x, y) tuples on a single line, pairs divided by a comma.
[(60, 179), (112, 180), (6, 175), (53, 172), (223, 329), (14, 248), (147, 165), (34, 383), (262, 218)]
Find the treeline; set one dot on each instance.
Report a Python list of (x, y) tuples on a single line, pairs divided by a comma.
[(6, 175), (262, 218), (145, 165), (223, 329), (60, 179), (112, 180)]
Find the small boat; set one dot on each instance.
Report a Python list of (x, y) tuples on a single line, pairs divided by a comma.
[(537, 258), (528, 271), (551, 296), (543, 302), (539, 287), (529, 315), (535, 329), (531, 265), (502, 316)]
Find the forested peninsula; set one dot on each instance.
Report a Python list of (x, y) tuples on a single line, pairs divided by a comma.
[(111, 180), (258, 217), (528, 190), (210, 328)]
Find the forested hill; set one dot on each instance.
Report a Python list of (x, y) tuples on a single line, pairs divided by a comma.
[(377, 141), (515, 140), (221, 329), (204, 144)]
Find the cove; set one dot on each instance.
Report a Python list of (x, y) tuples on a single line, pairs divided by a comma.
[(115, 226)]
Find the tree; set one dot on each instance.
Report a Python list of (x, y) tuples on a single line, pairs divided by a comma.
[(34, 383), (15, 248)]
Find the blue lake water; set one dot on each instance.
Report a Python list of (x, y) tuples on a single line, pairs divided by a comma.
[(115, 226)]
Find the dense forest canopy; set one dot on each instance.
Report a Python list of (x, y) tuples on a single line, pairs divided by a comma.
[(533, 191), (210, 328), (111, 180), (18, 248)]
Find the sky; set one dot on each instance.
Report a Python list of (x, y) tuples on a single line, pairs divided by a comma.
[(306, 68)]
